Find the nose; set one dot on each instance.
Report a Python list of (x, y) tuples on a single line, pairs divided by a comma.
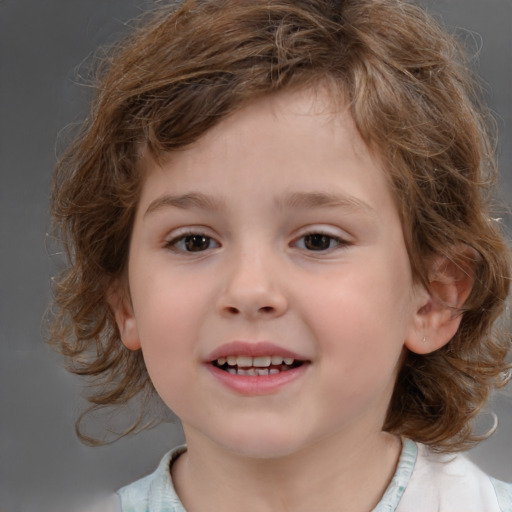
[(252, 288)]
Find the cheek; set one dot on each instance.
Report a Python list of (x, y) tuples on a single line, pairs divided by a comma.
[(363, 320), (168, 320), (359, 351), (166, 336), (166, 301)]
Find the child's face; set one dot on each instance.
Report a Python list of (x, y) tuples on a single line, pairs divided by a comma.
[(276, 234)]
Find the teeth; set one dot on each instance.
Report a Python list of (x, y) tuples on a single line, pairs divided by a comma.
[(253, 371), (244, 361), (277, 360), (255, 366), (258, 362), (261, 362)]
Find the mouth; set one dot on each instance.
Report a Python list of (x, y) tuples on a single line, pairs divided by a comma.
[(256, 366)]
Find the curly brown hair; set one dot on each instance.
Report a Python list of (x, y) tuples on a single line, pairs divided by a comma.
[(406, 83)]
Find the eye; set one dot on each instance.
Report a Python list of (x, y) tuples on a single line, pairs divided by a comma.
[(318, 242), (192, 242)]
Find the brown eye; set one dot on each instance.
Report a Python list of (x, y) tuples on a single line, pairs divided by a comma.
[(195, 242), (318, 242)]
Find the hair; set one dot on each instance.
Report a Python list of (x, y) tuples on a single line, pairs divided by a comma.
[(406, 84)]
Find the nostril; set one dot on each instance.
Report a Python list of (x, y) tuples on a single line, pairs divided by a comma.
[(267, 309), (232, 310)]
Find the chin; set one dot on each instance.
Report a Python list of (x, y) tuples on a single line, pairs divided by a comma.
[(263, 444)]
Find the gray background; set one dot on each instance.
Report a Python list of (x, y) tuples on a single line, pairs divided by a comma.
[(43, 467)]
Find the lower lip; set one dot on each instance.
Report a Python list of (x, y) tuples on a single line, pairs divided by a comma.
[(251, 385)]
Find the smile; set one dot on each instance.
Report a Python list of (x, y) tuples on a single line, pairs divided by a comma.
[(256, 366)]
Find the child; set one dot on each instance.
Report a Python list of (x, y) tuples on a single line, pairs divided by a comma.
[(276, 219)]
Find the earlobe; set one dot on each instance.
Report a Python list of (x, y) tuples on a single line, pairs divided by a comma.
[(119, 301), (439, 311)]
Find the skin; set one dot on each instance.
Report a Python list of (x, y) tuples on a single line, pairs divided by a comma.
[(349, 308)]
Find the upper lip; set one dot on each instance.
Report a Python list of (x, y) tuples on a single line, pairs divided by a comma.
[(252, 349)]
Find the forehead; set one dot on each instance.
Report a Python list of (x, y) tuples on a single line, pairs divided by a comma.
[(296, 138), (300, 111)]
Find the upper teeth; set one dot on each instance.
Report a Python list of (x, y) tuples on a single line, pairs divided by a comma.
[(258, 362)]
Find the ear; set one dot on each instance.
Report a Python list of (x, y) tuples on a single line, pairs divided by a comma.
[(439, 313), (118, 298)]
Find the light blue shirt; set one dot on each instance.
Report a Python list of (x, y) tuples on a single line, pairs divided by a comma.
[(423, 482)]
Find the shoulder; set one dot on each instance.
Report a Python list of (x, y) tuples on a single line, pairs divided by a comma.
[(503, 493), (154, 492), (452, 483)]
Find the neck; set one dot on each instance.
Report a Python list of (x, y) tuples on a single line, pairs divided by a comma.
[(336, 474)]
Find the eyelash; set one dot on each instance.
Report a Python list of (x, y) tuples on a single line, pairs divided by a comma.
[(317, 236), (173, 243), (323, 237)]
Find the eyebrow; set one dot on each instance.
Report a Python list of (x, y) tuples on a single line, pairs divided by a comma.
[(184, 202), (294, 200), (325, 200)]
